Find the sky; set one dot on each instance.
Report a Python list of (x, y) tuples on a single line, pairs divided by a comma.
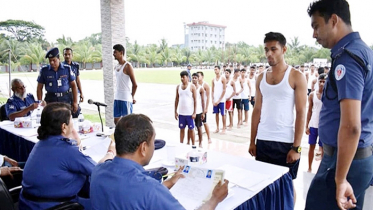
[(148, 21)]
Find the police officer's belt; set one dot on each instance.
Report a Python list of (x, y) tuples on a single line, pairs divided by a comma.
[(361, 153), (57, 94), (40, 199)]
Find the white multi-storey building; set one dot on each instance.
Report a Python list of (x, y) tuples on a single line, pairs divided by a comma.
[(203, 35)]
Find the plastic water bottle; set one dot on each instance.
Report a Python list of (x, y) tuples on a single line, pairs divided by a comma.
[(38, 115), (81, 117), (193, 156)]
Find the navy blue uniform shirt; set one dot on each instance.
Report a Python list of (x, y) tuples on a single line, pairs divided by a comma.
[(51, 78), (74, 67), (352, 82), (15, 104), (121, 184), (55, 169)]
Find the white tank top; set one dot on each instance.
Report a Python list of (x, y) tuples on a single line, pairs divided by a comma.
[(311, 77), (238, 89), (277, 114), (124, 84), (253, 85), (186, 103), (203, 86), (218, 90), (199, 101), (246, 91), (228, 90), (316, 108)]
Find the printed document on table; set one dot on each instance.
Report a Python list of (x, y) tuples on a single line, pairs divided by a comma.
[(196, 187), (244, 178)]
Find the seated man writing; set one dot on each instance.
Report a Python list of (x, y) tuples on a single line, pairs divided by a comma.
[(20, 104), (122, 184)]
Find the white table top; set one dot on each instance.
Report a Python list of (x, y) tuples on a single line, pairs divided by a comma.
[(96, 147)]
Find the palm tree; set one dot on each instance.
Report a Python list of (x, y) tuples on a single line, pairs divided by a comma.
[(151, 55), (208, 57), (33, 54), (294, 44), (178, 57), (136, 54), (165, 56), (187, 53), (240, 58), (163, 45), (84, 53)]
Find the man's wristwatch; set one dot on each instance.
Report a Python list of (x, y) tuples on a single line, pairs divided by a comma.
[(297, 149)]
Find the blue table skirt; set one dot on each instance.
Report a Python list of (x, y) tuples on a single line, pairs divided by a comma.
[(14, 146), (276, 196)]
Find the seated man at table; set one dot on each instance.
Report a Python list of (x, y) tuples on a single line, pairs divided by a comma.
[(122, 184), (20, 104), (8, 168)]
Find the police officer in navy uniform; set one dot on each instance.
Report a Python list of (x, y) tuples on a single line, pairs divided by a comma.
[(58, 79), (346, 117), (68, 56), (20, 104)]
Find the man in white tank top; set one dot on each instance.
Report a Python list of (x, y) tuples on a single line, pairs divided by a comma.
[(252, 77), (278, 90), (237, 97), (186, 96), (310, 76), (200, 112), (126, 85), (218, 98), (314, 86), (312, 122), (229, 93), (206, 88), (245, 96)]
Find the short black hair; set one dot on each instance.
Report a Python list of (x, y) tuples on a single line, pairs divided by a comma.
[(224, 66), (119, 47), (52, 118), (228, 70), (320, 70), (326, 8), (217, 67), (67, 48), (194, 75), (326, 67), (275, 36), (200, 72), (236, 70), (252, 67), (183, 73), (243, 69), (131, 131), (323, 76)]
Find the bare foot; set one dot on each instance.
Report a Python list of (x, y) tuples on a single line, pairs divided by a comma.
[(200, 146), (246, 124), (229, 128), (309, 170), (223, 131), (229, 125), (210, 141), (216, 131), (238, 126)]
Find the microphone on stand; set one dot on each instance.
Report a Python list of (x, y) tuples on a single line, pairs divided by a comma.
[(98, 104), (90, 101)]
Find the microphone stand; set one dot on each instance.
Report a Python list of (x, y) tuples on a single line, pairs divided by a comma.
[(102, 126)]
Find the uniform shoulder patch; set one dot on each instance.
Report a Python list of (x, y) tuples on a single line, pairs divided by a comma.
[(339, 72)]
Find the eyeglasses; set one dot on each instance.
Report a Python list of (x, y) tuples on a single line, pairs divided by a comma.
[(21, 87)]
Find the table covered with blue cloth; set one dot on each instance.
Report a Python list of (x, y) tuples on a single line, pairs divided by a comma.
[(275, 194)]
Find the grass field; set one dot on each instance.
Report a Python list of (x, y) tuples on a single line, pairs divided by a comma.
[(156, 75)]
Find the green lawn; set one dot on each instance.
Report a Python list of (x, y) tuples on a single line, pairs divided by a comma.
[(156, 75)]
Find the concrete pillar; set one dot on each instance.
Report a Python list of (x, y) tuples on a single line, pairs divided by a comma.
[(113, 32)]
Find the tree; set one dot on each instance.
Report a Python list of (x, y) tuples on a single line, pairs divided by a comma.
[(22, 30), (33, 53), (136, 54)]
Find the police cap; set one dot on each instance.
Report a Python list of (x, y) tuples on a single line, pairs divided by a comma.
[(52, 53)]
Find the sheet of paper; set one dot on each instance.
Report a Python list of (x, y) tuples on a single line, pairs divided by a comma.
[(96, 149), (244, 178), (196, 187)]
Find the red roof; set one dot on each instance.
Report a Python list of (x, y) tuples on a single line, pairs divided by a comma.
[(205, 24)]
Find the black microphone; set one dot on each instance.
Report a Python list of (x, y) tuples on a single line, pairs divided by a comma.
[(90, 101)]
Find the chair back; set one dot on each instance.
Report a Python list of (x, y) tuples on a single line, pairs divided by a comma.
[(3, 115), (6, 200)]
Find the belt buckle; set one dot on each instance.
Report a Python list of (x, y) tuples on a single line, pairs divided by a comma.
[(58, 94)]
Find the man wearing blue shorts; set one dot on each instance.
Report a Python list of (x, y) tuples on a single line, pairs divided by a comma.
[(312, 122), (346, 116), (218, 98), (186, 101), (126, 85)]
